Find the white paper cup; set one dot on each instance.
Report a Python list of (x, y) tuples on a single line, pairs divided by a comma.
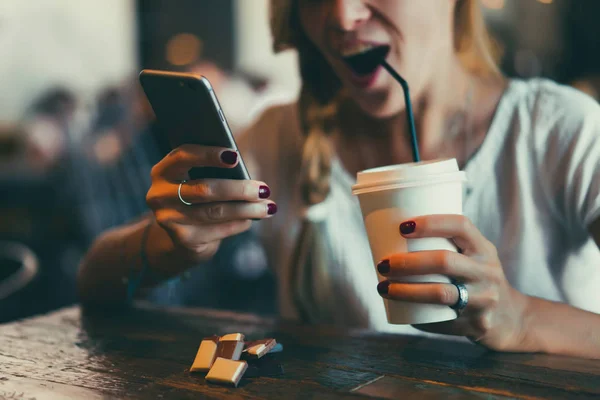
[(394, 194)]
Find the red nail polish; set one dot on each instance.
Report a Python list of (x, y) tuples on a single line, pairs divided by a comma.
[(383, 267), (383, 287), (229, 157), (271, 208), (264, 192), (406, 228)]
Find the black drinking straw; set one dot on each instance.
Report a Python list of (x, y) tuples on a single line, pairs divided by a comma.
[(367, 62), (409, 112)]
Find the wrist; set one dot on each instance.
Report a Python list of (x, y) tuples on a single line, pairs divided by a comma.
[(531, 341), (155, 259)]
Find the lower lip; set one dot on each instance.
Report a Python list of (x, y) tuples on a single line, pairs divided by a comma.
[(365, 81)]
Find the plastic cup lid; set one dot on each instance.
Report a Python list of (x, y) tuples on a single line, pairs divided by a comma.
[(410, 174)]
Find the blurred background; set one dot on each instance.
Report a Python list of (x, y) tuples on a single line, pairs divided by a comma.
[(77, 138)]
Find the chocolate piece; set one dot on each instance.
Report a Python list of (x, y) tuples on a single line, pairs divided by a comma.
[(259, 348), (230, 349), (206, 354), (225, 371), (234, 336)]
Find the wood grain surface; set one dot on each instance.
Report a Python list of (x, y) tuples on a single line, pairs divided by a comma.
[(146, 352)]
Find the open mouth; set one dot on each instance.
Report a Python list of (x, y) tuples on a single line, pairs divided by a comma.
[(366, 62)]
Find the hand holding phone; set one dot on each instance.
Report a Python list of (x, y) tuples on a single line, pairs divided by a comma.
[(201, 192)]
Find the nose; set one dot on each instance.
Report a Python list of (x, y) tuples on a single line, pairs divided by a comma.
[(348, 15)]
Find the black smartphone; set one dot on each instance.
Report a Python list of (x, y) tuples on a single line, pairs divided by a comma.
[(188, 112)]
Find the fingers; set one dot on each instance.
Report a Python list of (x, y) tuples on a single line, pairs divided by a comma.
[(177, 163), (190, 234), (215, 190), (426, 293), (206, 191), (230, 211), (442, 262), (480, 297), (456, 227)]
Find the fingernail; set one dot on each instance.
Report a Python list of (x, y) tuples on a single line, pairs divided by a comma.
[(271, 208), (264, 192), (383, 267), (383, 287), (406, 228), (229, 157)]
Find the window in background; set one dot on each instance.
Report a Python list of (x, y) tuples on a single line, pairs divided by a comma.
[(78, 45)]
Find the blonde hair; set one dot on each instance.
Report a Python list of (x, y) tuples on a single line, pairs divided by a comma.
[(321, 87)]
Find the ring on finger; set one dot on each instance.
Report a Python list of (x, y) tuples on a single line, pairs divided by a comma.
[(179, 193), (463, 298)]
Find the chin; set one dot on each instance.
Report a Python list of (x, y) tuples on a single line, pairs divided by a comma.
[(381, 108)]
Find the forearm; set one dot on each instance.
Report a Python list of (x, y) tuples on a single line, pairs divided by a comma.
[(104, 273), (561, 329)]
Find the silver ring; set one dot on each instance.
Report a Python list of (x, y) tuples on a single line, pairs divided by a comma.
[(463, 298), (179, 194)]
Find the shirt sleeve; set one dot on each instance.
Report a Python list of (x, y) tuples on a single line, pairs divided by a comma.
[(568, 142)]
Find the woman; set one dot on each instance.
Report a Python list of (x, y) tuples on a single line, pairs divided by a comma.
[(531, 151)]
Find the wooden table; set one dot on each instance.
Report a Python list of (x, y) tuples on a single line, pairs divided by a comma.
[(147, 352)]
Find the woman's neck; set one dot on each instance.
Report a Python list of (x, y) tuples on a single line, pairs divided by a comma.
[(367, 142)]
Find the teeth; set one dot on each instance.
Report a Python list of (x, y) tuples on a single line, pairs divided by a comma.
[(361, 48)]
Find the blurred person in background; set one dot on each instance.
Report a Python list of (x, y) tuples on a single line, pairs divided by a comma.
[(531, 149), (31, 211), (46, 129)]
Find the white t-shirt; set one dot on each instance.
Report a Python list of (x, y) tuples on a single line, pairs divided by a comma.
[(533, 190)]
